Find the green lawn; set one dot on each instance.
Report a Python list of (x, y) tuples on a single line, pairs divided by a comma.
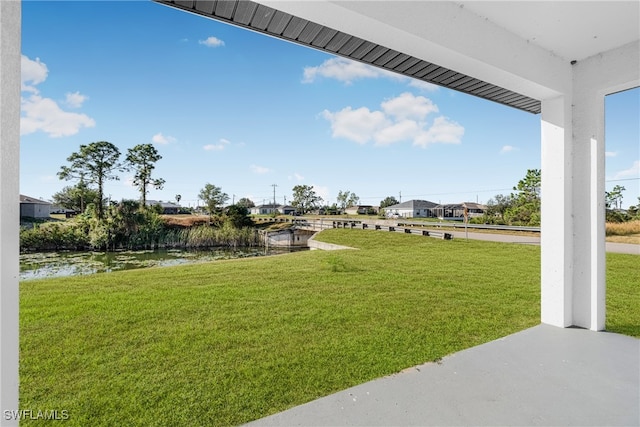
[(232, 341)]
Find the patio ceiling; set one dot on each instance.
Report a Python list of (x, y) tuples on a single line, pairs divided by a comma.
[(267, 20)]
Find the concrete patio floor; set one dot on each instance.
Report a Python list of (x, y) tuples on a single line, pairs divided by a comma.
[(544, 375)]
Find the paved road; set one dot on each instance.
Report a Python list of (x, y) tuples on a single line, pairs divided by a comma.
[(623, 248)]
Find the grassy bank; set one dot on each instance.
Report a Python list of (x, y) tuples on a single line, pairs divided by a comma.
[(229, 342)]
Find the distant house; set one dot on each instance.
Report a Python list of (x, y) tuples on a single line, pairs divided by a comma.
[(359, 209), (34, 208), (456, 211), (427, 209), (475, 209), (412, 209), (168, 208), (269, 209)]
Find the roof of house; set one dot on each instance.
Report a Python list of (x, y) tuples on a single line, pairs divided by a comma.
[(268, 206), (163, 205), (414, 204), (27, 199), (472, 205)]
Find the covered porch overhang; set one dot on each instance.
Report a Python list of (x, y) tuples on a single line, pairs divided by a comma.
[(559, 59)]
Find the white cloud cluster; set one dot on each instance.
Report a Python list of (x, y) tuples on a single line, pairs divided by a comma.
[(44, 114), (161, 139), (32, 73), (260, 170), (222, 143), (507, 149), (211, 42), (400, 119), (75, 100), (348, 71)]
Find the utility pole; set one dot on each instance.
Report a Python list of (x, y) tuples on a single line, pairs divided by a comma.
[(274, 193), (233, 199), (400, 195)]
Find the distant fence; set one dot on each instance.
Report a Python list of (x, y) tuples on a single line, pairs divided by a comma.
[(410, 227), (323, 224)]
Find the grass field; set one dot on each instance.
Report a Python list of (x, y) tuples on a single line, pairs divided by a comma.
[(228, 342)]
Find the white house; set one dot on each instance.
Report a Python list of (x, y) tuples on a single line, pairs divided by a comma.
[(271, 208), (412, 209)]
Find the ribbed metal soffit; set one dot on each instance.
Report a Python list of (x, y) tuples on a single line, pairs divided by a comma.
[(270, 21)]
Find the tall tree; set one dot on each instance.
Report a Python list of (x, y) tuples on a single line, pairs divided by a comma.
[(613, 198), (305, 198), (95, 163), (247, 203), (76, 197), (498, 206), (346, 199), (388, 201), (142, 159), (525, 208), (213, 197)]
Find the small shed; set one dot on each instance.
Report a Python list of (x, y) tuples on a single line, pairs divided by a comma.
[(34, 208)]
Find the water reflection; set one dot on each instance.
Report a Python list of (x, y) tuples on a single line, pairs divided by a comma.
[(59, 264)]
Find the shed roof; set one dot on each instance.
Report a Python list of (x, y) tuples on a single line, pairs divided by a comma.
[(33, 200)]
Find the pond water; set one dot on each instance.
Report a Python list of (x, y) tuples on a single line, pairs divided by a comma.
[(42, 265)]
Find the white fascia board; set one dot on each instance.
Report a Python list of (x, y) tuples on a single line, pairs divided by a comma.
[(445, 34)]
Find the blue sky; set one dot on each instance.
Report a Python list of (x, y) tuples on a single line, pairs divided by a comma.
[(244, 111)]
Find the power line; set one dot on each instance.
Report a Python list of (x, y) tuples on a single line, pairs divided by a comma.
[(623, 179)]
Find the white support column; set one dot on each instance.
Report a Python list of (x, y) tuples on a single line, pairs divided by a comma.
[(573, 249), (588, 202), (10, 20), (557, 212), (573, 174)]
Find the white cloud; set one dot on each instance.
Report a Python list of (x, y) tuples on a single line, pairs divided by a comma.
[(443, 131), (610, 153), (507, 149), (403, 118), (260, 170), (346, 71), (161, 139), (32, 73), (357, 125), (75, 100), (400, 131), (633, 171), (423, 86), (217, 147), (212, 42), (296, 176), (44, 114), (408, 106)]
